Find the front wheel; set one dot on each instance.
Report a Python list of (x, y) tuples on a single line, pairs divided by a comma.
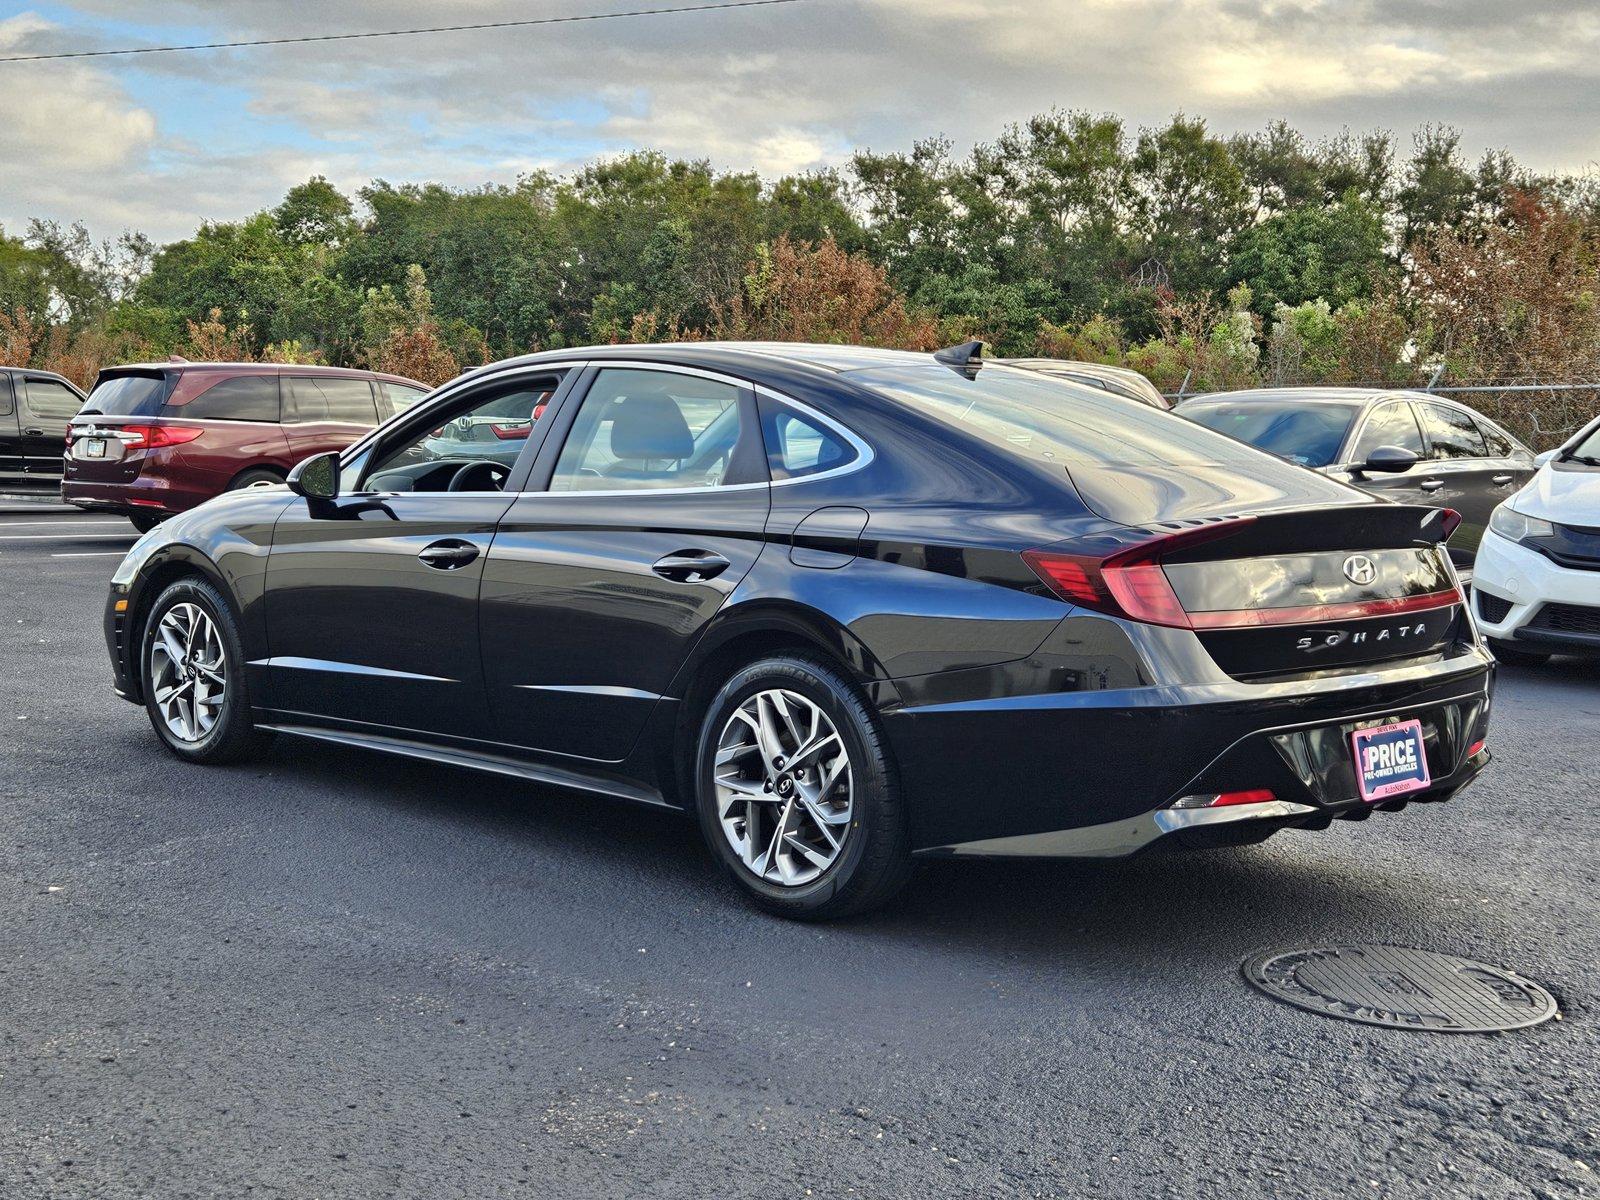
[(797, 793), (1508, 653), (192, 663)]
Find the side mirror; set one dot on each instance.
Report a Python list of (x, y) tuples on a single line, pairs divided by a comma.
[(316, 478), (1539, 460), (1390, 460)]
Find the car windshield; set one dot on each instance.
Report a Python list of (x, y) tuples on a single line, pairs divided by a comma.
[(1041, 417), (1586, 451), (1308, 434), (128, 396)]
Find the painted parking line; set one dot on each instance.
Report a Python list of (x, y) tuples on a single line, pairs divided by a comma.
[(79, 521), (92, 554), (59, 537)]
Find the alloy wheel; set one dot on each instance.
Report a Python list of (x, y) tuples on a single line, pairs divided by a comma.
[(784, 787), (188, 675)]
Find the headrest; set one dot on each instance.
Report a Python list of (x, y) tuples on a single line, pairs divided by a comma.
[(650, 425)]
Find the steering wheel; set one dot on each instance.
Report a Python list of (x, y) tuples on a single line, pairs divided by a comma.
[(480, 477)]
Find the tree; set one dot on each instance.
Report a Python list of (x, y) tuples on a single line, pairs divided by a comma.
[(1335, 253), (1191, 204), (315, 212)]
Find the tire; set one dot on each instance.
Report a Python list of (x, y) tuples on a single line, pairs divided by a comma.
[(145, 522), (255, 477), (868, 850), (1508, 653), (230, 735)]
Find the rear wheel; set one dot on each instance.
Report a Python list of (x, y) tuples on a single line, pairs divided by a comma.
[(192, 663), (144, 522), (255, 477), (1508, 653), (797, 794)]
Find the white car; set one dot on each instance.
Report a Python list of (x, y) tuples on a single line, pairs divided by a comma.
[(1536, 582)]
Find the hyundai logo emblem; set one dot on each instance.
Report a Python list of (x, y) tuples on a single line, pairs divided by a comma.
[(1360, 570)]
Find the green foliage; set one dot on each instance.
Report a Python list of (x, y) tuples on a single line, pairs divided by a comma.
[(1335, 251)]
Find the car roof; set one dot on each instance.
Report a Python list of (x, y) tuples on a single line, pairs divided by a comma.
[(822, 358), (1312, 395), (251, 368)]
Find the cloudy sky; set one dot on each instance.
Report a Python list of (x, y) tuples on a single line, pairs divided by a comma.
[(159, 142)]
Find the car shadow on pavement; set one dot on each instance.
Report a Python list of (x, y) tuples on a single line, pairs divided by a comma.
[(1159, 907)]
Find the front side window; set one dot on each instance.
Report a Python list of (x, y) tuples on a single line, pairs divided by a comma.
[(1452, 432), (643, 429), (244, 398), (47, 398), (491, 430), (311, 398), (1391, 424)]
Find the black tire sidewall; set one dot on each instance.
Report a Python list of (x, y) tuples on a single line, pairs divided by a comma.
[(228, 738), (875, 840), (255, 475)]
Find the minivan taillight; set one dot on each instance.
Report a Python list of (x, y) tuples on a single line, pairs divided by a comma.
[(153, 437), (1128, 582)]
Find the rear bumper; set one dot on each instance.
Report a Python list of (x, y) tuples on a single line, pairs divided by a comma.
[(1096, 773), (141, 495)]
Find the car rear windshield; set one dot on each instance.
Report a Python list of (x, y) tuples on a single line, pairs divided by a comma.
[(128, 396), (1308, 434), (1041, 417)]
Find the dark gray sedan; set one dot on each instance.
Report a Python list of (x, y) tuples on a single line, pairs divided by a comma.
[(1407, 446)]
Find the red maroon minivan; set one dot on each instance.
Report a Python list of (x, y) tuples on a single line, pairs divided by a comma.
[(155, 439)]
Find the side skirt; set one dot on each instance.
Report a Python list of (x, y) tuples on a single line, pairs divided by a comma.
[(478, 760)]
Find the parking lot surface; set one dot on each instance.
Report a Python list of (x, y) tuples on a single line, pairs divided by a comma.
[(333, 974)]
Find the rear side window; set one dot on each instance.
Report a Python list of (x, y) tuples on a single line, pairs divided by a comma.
[(1392, 424), (329, 398), (245, 398), (129, 395), (1453, 433), (397, 397), (48, 398), (798, 445)]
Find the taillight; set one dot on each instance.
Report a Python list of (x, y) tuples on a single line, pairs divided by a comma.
[(1131, 583), (71, 433), (1450, 520), (510, 433), (154, 437), (1128, 582)]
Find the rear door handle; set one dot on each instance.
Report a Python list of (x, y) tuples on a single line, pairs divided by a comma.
[(1502, 480), (691, 566), (448, 555), (33, 433), (1431, 485)]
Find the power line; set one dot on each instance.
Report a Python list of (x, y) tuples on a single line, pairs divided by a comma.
[(345, 37)]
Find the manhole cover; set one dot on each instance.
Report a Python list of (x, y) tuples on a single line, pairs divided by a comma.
[(1401, 988)]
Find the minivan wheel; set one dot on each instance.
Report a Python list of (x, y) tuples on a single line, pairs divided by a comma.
[(797, 793), (144, 522), (255, 477), (192, 668)]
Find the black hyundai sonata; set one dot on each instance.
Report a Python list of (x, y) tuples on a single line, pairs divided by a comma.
[(848, 606)]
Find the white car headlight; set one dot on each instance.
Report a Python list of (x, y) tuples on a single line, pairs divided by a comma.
[(1517, 527)]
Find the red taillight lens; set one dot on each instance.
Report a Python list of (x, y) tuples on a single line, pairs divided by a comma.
[(510, 433), (1128, 582), (153, 437), (1476, 748), (1257, 796), (1450, 519)]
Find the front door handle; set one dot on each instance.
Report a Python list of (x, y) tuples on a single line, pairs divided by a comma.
[(1502, 480), (33, 433), (448, 555), (1431, 485), (691, 566)]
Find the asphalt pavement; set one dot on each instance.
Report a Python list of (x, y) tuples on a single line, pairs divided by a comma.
[(329, 973)]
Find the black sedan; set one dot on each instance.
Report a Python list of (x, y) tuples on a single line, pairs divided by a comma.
[(844, 605), (1406, 446)]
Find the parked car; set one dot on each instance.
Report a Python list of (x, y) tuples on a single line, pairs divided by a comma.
[(1121, 380), (154, 439), (1399, 445), (35, 407), (1537, 585), (845, 605)]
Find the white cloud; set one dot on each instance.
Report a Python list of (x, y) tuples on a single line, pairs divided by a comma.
[(774, 89)]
